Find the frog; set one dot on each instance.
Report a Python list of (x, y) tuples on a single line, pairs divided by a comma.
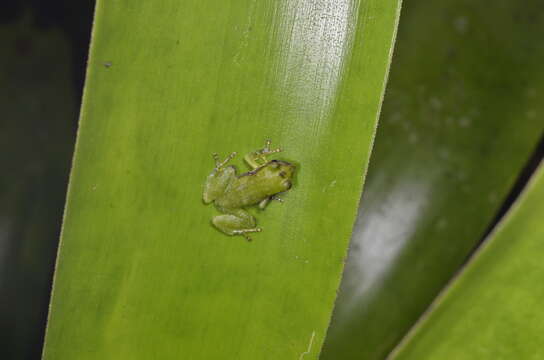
[(232, 193)]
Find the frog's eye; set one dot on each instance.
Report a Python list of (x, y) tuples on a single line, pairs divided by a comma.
[(274, 164), (287, 184), (282, 174)]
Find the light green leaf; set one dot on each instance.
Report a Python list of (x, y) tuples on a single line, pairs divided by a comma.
[(493, 309), (142, 274)]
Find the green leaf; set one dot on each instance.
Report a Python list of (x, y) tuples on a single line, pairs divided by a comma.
[(493, 309), (460, 120), (142, 273)]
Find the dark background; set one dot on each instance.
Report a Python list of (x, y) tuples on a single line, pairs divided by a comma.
[(43, 54), (43, 57)]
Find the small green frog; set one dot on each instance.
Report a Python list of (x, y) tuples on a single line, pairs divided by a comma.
[(231, 192)]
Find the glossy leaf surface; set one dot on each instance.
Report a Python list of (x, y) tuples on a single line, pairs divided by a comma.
[(493, 310), (142, 273), (461, 117)]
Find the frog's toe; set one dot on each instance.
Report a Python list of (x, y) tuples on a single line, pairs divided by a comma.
[(245, 232), (221, 164)]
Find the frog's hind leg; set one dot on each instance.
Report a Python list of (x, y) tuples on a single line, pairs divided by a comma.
[(258, 158), (238, 222)]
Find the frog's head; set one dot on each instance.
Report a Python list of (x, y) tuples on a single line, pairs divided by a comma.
[(280, 174)]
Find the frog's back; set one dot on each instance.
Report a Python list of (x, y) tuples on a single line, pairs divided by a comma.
[(244, 191)]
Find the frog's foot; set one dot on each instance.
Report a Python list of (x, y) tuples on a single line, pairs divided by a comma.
[(221, 164), (245, 232), (266, 150), (258, 158), (277, 198)]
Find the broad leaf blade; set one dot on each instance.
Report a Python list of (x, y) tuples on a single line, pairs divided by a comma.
[(493, 310), (142, 273)]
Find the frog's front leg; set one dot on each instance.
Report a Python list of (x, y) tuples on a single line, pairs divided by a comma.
[(265, 202), (258, 158), (236, 222), (217, 181)]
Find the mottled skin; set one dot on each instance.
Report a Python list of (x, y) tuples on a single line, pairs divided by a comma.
[(231, 193)]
